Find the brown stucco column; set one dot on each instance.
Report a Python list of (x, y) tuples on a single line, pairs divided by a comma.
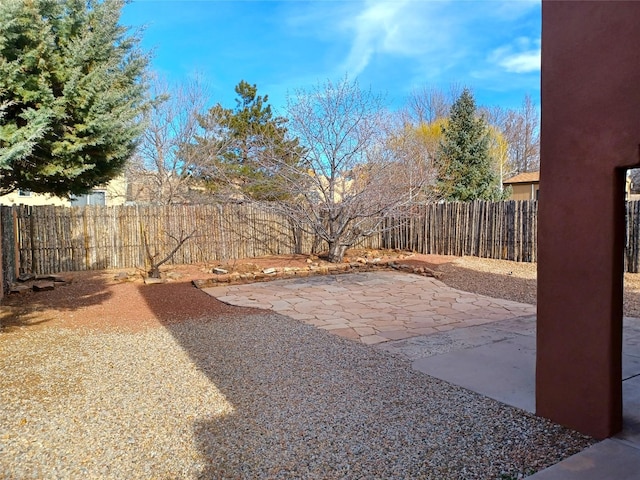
[(590, 132)]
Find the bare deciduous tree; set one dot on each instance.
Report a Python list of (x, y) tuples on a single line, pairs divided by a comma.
[(352, 175), (526, 143), (427, 104), (520, 128), (152, 258), (160, 172)]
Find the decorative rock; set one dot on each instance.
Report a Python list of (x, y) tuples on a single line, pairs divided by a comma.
[(25, 277), (153, 281), (19, 289), (122, 276), (246, 273), (51, 278), (43, 285)]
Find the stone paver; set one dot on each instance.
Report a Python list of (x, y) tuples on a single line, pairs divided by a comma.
[(373, 307)]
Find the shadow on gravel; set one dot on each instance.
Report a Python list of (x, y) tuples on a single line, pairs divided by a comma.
[(37, 308), (180, 301), (307, 404)]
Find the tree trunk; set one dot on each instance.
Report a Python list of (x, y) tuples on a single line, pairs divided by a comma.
[(336, 252), (296, 236), (317, 240)]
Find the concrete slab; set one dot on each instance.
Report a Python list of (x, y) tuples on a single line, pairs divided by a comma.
[(631, 412), (630, 365), (607, 460), (503, 370), (631, 325)]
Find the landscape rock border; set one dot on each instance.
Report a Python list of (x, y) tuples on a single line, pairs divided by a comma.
[(274, 273), (225, 274)]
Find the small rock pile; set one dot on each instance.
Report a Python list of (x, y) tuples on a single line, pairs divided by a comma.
[(28, 282)]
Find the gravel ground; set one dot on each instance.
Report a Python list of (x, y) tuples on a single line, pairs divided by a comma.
[(516, 281), (494, 278), (247, 397)]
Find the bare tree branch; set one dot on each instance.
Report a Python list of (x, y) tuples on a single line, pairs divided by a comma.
[(161, 171), (353, 175), (154, 271)]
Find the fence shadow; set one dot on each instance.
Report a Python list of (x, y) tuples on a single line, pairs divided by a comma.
[(298, 398), (259, 362), (209, 332)]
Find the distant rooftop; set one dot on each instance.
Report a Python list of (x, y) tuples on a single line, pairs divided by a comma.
[(526, 177)]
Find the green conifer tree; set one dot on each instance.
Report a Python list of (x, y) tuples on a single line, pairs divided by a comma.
[(71, 91), (465, 166), (251, 145)]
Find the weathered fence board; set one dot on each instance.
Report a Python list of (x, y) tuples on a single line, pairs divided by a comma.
[(501, 230), (55, 239)]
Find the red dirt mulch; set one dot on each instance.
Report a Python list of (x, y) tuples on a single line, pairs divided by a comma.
[(101, 300)]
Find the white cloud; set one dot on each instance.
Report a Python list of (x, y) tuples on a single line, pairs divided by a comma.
[(408, 43), (403, 27), (522, 62), (521, 57)]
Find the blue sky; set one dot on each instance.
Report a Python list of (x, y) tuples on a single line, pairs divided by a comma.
[(392, 46)]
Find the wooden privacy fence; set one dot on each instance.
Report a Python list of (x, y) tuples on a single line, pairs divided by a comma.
[(56, 239), (500, 230), (46, 240)]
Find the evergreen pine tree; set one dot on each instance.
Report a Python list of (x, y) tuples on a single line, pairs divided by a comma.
[(71, 91), (252, 144), (465, 170)]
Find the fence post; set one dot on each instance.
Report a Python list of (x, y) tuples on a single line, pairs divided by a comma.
[(1, 256), (8, 256)]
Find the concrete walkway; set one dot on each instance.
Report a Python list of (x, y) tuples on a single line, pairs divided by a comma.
[(486, 345)]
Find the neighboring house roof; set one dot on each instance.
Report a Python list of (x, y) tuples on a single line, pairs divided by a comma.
[(527, 177)]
